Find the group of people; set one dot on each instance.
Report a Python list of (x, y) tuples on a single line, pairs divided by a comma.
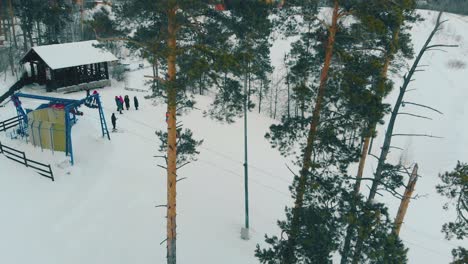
[(121, 102)]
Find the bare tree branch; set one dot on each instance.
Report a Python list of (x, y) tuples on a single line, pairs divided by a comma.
[(183, 165), (419, 116), (415, 135), (163, 81), (424, 106), (441, 45), (162, 167)]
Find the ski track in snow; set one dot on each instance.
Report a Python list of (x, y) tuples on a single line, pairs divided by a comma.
[(102, 210)]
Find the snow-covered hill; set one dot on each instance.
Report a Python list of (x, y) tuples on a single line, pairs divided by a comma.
[(102, 210)]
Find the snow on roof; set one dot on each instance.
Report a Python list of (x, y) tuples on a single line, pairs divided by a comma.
[(58, 56)]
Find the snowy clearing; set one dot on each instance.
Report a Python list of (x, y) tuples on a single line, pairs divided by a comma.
[(102, 210)]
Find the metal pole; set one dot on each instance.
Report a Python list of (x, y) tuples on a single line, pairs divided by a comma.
[(245, 231)]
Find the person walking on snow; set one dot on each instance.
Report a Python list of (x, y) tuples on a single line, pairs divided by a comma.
[(135, 102), (119, 104), (127, 102), (114, 121)]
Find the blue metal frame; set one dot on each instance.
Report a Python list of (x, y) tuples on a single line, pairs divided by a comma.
[(70, 117)]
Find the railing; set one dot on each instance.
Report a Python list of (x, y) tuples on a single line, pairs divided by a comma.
[(20, 157), (18, 85), (10, 123)]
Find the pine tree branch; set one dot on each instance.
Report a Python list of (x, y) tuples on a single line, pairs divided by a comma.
[(393, 147), (181, 179), (421, 105), (181, 166), (442, 45), (163, 81), (137, 43), (287, 166), (419, 116), (387, 188), (415, 135), (437, 50), (162, 167)]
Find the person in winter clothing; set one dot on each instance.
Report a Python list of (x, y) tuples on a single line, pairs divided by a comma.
[(135, 102), (127, 102), (94, 103), (114, 121), (121, 101), (119, 104)]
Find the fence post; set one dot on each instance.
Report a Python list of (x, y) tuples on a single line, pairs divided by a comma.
[(25, 159), (1, 147), (51, 173)]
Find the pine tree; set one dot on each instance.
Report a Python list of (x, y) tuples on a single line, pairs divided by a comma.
[(348, 104), (391, 29), (455, 187), (56, 16), (170, 32), (28, 12)]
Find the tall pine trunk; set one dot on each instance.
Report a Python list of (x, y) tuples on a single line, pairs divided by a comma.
[(260, 97), (30, 34), (1, 20), (367, 139), (406, 200), (276, 101), (12, 17), (380, 90), (39, 33), (307, 159), (171, 138), (289, 97)]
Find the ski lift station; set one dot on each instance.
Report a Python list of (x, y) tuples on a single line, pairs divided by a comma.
[(50, 125)]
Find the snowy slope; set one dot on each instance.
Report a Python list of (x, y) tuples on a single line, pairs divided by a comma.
[(103, 209)]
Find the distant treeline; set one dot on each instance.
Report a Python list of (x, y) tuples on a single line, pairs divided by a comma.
[(452, 6)]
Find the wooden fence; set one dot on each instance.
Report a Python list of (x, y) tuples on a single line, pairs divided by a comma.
[(10, 123), (20, 157)]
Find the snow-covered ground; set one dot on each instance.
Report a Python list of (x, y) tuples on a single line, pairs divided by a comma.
[(102, 210)]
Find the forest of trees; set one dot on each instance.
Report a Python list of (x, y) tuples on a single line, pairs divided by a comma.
[(329, 101), (452, 6), (28, 23)]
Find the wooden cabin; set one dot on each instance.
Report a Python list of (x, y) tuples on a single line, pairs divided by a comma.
[(69, 67)]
